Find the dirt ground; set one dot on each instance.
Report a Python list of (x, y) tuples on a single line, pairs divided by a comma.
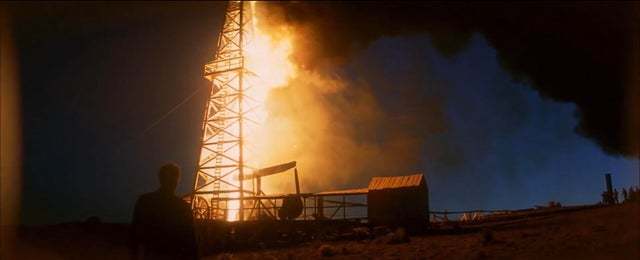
[(598, 233)]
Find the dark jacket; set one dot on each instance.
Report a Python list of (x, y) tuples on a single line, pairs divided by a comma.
[(163, 227)]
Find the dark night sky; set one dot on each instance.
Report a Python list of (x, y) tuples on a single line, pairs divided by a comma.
[(95, 76)]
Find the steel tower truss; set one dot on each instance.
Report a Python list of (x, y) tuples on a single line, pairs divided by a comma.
[(218, 190)]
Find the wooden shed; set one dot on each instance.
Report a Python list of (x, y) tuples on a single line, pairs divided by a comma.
[(398, 200)]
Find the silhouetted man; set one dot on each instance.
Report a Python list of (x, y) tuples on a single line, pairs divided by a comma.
[(162, 225)]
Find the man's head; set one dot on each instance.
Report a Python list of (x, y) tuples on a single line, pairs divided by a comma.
[(169, 174)]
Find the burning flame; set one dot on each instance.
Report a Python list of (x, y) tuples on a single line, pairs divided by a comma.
[(267, 66)]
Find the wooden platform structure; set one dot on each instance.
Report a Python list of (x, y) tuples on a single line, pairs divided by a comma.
[(384, 200)]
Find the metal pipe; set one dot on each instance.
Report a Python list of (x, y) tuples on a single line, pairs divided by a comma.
[(295, 172)]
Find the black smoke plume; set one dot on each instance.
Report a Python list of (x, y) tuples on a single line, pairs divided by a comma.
[(584, 53)]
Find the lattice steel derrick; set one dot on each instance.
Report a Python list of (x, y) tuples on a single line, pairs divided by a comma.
[(221, 164)]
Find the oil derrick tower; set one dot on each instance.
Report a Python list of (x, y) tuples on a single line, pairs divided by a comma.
[(218, 189)]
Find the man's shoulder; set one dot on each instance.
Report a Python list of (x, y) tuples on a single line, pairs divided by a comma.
[(149, 196), (155, 195), (158, 197), (180, 201)]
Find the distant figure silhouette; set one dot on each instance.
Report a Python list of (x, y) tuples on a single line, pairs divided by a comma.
[(162, 225)]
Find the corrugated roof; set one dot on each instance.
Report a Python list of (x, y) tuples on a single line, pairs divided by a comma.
[(394, 182)]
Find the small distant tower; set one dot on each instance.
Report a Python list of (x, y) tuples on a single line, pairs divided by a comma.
[(218, 189)]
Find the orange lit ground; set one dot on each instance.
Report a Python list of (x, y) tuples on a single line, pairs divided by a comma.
[(599, 233)]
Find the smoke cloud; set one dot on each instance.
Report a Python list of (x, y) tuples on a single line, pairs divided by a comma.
[(571, 53), (338, 123)]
